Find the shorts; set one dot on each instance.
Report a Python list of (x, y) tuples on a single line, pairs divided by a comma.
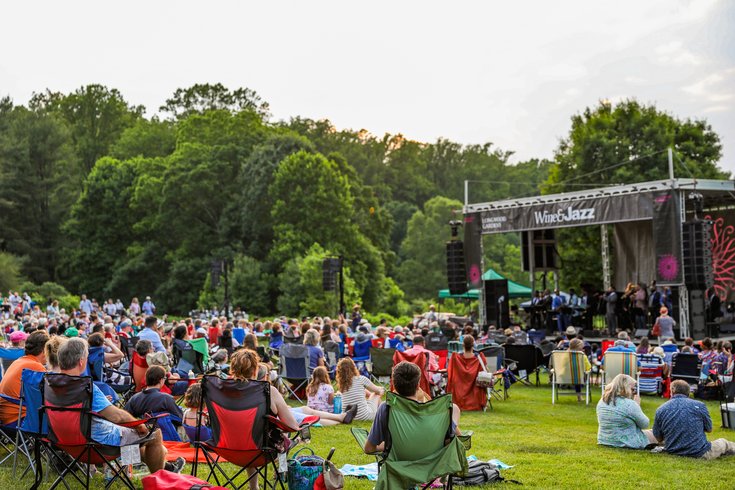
[(130, 436)]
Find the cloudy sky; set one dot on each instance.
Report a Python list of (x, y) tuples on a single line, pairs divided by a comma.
[(507, 72)]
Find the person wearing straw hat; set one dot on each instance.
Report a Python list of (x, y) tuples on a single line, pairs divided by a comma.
[(665, 325)]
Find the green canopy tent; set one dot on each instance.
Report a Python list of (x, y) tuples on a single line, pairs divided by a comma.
[(515, 290)]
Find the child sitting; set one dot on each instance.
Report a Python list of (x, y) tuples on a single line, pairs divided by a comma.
[(319, 391), (192, 401)]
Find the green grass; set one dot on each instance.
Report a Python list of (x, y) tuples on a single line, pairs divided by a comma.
[(549, 447)]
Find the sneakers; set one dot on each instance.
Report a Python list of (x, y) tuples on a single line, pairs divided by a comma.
[(176, 466), (349, 414)]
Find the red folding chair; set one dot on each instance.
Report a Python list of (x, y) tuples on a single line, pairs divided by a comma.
[(138, 367), (422, 361), (67, 402), (244, 432)]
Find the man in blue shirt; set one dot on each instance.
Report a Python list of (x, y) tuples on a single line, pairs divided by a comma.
[(85, 305), (150, 333), (149, 308), (105, 429), (681, 424)]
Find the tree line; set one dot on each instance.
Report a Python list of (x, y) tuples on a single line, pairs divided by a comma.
[(105, 201)]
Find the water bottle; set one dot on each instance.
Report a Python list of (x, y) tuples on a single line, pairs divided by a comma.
[(108, 475), (338, 402)]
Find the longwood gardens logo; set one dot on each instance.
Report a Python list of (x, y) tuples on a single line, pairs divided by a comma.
[(668, 267), (563, 216)]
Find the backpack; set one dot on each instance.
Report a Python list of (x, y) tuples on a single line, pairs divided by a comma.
[(480, 473)]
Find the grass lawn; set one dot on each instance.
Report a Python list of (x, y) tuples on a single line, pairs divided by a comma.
[(549, 447)]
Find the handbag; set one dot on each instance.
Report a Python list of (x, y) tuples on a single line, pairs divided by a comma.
[(331, 478), (304, 470), (484, 378), (656, 330)]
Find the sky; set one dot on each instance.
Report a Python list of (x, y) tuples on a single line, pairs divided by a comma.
[(510, 73)]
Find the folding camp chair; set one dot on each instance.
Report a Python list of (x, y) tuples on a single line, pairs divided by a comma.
[(361, 351), (67, 402), (138, 367), (243, 431), (568, 368), (462, 373), (96, 368), (495, 358), (33, 428), (294, 367), (615, 363), (189, 355), (7, 356), (651, 374), (381, 364), (417, 453), (127, 345), (331, 356), (687, 367), (527, 358), (420, 359)]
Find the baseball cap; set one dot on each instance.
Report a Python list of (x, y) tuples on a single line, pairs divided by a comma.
[(71, 332)]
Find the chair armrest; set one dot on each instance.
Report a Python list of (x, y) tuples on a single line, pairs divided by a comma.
[(361, 436), (10, 399), (307, 422), (134, 423)]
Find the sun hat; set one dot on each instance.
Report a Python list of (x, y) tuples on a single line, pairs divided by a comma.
[(571, 330)]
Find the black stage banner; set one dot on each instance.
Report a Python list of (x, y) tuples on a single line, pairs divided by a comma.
[(667, 238), (472, 250), (592, 211)]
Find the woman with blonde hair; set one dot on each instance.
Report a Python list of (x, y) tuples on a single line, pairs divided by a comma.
[(51, 350), (357, 390), (621, 421)]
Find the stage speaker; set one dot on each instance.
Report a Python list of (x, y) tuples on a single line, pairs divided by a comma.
[(496, 303), (697, 254), (473, 250), (330, 268), (456, 273), (698, 326), (542, 243), (640, 333)]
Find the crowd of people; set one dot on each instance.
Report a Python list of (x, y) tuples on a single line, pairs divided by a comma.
[(56, 341)]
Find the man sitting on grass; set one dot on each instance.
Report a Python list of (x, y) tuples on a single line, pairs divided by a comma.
[(406, 378), (681, 424)]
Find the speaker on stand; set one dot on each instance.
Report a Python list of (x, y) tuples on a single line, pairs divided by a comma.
[(456, 272)]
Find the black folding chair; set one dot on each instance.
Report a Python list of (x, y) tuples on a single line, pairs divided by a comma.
[(381, 360), (294, 367), (686, 366), (527, 359)]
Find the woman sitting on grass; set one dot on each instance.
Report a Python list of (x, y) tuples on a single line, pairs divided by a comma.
[(357, 390), (621, 421)]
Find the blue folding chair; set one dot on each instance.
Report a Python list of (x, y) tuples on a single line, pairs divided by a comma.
[(361, 350), (7, 356), (168, 429), (96, 369), (238, 334), (33, 427)]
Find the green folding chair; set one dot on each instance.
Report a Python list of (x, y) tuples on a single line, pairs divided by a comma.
[(419, 452)]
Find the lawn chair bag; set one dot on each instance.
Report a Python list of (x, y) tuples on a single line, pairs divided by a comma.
[(304, 470), (167, 480)]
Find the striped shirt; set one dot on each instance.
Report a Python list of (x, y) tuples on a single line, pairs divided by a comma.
[(356, 396)]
